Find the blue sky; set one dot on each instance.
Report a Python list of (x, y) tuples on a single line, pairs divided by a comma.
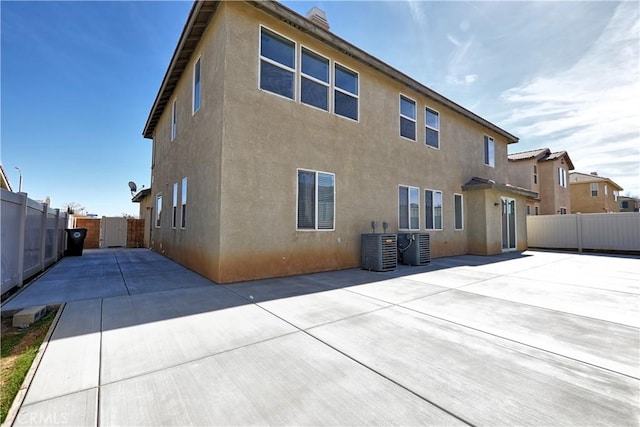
[(79, 78)]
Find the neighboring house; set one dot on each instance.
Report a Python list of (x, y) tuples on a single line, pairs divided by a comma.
[(276, 144), (4, 179), (547, 174), (629, 204), (591, 193), (146, 212)]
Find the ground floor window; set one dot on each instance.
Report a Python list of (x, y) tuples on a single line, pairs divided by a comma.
[(316, 200), (408, 208), (433, 208), (158, 208), (458, 213)]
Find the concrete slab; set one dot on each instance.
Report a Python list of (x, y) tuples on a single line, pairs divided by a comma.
[(480, 378), (64, 290), (305, 311), (454, 277), (76, 409), (72, 359), (291, 380), (619, 307), (155, 282), (396, 290), (588, 340), (146, 333), (284, 287)]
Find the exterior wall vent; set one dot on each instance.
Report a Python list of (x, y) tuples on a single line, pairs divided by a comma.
[(318, 17), (379, 252), (415, 249)]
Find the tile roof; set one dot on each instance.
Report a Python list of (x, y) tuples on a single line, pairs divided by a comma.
[(477, 183), (526, 155)]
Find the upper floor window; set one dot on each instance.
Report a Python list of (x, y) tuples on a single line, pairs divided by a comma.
[(174, 119), (277, 64), (408, 208), (615, 196), (489, 151), (562, 177), (174, 206), (196, 86), (407, 117), (158, 209), (433, 208), (183, 210), (345, 92), (432, 126), (606, 190), (316, 200), (535, 174), (594, 189), (314, 80)]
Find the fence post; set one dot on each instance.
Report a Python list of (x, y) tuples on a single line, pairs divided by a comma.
[(579, 230), (43, 234), (21, 235), (56, 245)]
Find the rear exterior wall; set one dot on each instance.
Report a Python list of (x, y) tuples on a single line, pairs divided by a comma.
[(267, 138)]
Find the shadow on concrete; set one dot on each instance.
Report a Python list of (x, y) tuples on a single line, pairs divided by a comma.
[(138, 286)]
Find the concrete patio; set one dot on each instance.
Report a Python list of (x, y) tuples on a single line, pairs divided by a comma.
[(540, 338)]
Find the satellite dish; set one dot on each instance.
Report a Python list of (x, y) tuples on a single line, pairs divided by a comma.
[(133, 187)]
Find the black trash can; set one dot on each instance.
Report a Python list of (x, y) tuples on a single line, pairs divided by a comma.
[(75, 241)]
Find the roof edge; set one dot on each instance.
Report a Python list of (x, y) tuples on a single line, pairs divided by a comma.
[(477, 183)]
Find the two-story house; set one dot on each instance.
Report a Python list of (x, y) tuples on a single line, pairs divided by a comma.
[(629, 204), (546, 173), (591, 193), (276, 144)]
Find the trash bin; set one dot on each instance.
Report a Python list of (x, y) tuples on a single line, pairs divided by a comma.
[(75, 241)]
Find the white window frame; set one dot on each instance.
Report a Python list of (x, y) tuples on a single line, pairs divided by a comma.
[(183, 204), (402, 116), (198, 65), (174, 119), (426, 126), (616, 194), (562, 177), (346, 92), (606, 191), (302, 75), (596, 190), (316, 172), (409, 188), (433, 210), (535, 174), (174, 206), (295, 71), (489, 151), (461, 211), (158, 210)]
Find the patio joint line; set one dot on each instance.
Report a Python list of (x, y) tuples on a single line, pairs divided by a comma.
[(124, 281), (98, 388), (197, 359), (518, 342), (547, 308)]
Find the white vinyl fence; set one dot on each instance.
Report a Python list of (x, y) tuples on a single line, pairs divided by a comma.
[(606, 231), (32, 238)]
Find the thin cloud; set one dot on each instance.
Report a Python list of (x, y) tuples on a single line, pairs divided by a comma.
[(592, 109)]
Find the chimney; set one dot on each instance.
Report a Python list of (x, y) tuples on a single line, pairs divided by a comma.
[(594, 173), (318, 17)]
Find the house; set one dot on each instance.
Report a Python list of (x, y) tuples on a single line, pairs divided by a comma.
[(629, 204), (146, 212), (4, 180), (546, 173), (591, 193), (277, 143)]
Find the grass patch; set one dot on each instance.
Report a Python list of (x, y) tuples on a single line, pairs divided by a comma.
[(19, 348)]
